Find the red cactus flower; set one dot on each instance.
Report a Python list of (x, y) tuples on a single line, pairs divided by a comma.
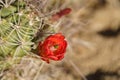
[(53, 47), (61, 13)]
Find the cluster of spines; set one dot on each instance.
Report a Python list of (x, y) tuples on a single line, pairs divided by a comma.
[(18, 25)]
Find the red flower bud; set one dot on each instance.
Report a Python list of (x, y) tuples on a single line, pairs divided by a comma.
[(61, 13), (53, 47)]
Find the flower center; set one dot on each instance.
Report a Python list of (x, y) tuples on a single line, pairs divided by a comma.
[(54, 47)]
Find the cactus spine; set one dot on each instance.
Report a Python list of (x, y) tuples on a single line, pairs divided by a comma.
[(18, 25)]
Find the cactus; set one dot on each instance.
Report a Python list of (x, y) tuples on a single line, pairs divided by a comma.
[(17, 28), (23, 25), (19, 25)]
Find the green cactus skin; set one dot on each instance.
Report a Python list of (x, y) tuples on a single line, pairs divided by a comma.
[(20, 31), (18, 26)]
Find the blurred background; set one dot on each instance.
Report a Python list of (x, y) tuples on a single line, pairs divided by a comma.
[(92, 30), (93, 33)]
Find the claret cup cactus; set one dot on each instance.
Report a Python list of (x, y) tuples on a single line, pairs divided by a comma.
[(18, 25), (22, 29)]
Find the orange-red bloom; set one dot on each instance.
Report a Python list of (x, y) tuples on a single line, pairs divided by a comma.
[(53, 47)]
